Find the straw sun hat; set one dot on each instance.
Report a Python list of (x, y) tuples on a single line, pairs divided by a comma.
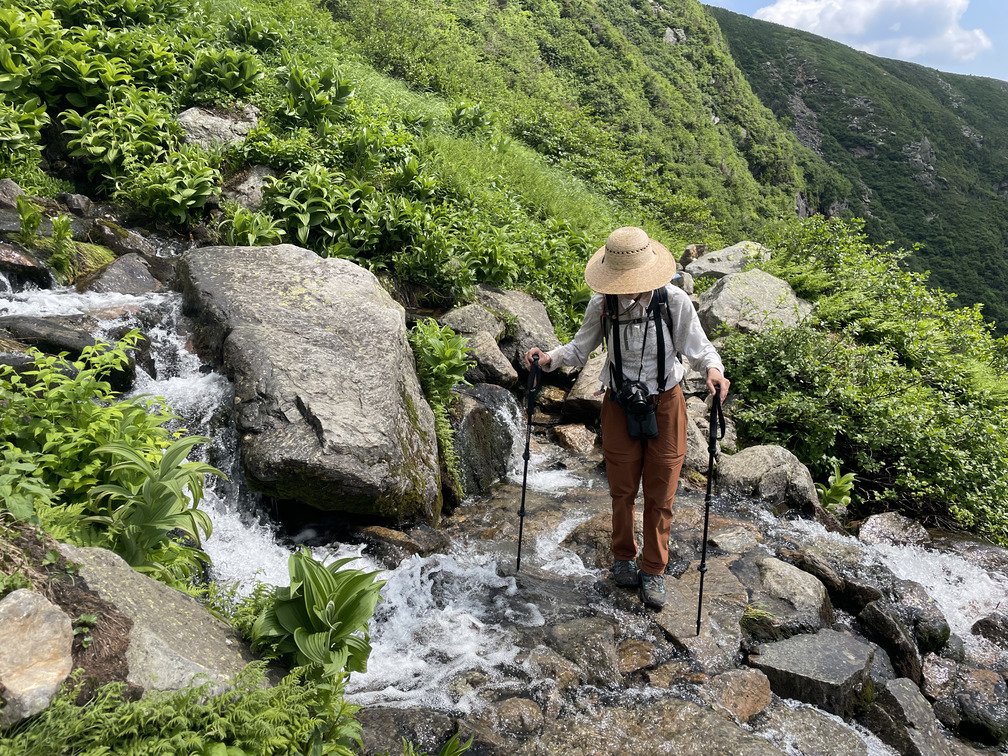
[(629, 263)]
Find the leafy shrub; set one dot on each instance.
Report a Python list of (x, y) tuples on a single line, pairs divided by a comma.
[(19, 128), (320, 620), (176, 188), (243, 29), (117, 13), (313, 94), (61, 259), (65, 418), (703, 283), (30, 218), (230, 71), (244, 227), (310, 202), (149, 518), (442, 358), (134, 126), (295, 716), (471, 118)]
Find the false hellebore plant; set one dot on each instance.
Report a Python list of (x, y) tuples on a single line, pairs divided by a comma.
[(320, 620)]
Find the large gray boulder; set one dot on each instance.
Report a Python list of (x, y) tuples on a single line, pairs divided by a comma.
[(793, 600), (725, 262), (129, 274), (532, 324), (771, 473), (829, 670), (174, 642), (36, 640), (584, 401), (750, 301), (327, 403)]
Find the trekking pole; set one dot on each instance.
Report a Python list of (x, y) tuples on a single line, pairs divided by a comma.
[(533, 389), (716, 418)]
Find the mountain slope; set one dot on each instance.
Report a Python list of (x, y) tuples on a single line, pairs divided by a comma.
[(926, 151), (643, 101)]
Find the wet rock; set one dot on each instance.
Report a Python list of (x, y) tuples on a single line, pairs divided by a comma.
[(792, 601), (740, 694), (902, 718), (550, 399), (58, 335), (590, 643), (993, 627), (592, 541), (697, 454), (36, 640), (390, 546), (724, 262), (798, 729), (583, 401), (533, 327), (122, 240), (129, 274), (635, 655), (668, 726), (9, 192), (882, 624), (768, 472), (716, 648), (829, 670), (734, 540), (248, 192), (209, 129), (519, 717), (882, 670), (383, 729), (483, 437), (549, 664), (893, 528), (814, 564), (750, 302), (576, 438), (491, 364), (78, 204), (923, 616), (174, 641), (323, 415), (981, 699), (485, 742), (20, 268)]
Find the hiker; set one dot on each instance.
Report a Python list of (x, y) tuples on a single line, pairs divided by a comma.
[(646, 322)]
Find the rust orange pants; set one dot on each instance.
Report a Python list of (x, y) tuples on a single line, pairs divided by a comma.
[(656, 461)]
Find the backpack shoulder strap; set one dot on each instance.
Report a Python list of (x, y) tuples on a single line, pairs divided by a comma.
[(610, 324)]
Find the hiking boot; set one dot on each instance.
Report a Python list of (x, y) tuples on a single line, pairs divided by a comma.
[(652, 590), (624, 572)]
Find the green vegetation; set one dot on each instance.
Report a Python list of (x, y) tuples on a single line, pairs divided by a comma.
[(95, 470), (922, 152), (442, 360), (320, 621), (885, 380)]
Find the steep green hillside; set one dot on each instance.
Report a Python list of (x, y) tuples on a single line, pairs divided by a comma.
[(927, 152), (642, 101)]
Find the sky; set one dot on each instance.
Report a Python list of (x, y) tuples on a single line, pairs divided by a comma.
[(958, 36)]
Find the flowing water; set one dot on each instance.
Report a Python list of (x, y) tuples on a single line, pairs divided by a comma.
[(448, 617)]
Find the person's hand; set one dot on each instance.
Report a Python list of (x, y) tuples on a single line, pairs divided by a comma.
[(544, 359), (715, 378)]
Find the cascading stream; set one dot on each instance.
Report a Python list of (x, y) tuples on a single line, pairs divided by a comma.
[(446, 619)]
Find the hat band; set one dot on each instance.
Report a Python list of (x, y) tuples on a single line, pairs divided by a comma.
[(625, 260)]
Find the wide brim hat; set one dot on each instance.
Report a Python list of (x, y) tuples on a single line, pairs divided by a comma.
[(629, 263)]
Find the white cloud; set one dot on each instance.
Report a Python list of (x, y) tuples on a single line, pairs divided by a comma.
[(907, 29)]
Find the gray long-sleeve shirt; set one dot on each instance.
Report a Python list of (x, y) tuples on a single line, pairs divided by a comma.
[(687, 337)]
